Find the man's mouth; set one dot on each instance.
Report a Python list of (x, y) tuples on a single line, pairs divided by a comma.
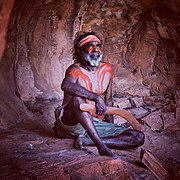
[(93, 58), (95, 55)]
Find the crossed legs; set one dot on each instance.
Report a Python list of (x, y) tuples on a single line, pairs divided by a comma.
[(126, 140), (73, 115)]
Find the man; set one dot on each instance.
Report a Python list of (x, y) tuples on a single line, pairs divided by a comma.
[(89, 80)]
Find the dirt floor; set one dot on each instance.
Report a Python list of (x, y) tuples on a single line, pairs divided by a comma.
[(32, 151)]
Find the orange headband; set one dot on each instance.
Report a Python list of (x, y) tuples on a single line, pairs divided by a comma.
[(88, 39)]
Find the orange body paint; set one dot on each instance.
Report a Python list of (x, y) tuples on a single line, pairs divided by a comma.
[(102, 71)]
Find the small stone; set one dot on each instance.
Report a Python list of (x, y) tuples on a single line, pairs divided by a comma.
[(122, 103), (119, 120), (171, 122), (30, 146), (154, 120), (154, 100), (138, 101), (139, 112)]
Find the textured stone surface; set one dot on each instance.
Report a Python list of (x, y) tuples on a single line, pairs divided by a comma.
[(119, 120), (137, 101), (171, 122), (5, 11), (141, 41), (141, 44), (52, 158), (139, 112), (122, 103), (155, 120)]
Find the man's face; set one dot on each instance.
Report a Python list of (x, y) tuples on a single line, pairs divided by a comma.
[(92, 53)]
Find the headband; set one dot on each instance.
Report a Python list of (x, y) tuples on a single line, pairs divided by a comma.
[(88, 39)]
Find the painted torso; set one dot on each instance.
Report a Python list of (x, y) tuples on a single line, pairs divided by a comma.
[(94, 81)]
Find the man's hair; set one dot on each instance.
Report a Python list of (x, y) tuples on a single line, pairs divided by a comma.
[(76, 50)]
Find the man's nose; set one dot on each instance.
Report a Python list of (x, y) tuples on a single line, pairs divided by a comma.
[(95, 48)]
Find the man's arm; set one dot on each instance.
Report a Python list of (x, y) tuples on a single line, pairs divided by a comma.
[(108, 102), (71, 87)]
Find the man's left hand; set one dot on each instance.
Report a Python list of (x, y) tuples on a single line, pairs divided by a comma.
[(100, 106)]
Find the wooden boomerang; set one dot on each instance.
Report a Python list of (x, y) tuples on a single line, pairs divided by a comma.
[(113, 110)]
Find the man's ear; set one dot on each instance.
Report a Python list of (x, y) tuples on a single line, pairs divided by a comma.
[(81, 50)]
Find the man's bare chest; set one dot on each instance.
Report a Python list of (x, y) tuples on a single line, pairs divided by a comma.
[(95, 81)]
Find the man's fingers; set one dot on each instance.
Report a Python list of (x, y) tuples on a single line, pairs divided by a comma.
[(100, 106), (101, 110), (101, 113)]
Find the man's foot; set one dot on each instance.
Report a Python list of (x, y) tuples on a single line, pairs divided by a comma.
[(105, 151), (78, 143)]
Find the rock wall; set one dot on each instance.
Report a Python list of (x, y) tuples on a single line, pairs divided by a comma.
[(5, 12), (141, 40), (12, 109), (40, 46)]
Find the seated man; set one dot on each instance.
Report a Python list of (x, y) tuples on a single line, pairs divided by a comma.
[(89, 80)]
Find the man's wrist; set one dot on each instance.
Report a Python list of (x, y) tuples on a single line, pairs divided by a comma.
[(96, 98)]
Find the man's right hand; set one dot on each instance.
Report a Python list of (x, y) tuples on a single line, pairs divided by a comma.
[(100, 106)]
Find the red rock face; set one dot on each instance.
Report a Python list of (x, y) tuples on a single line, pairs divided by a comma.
[(141, 40), (141, 44), (5, 11)]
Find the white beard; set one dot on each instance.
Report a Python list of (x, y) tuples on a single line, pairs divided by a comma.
[(93, 59)]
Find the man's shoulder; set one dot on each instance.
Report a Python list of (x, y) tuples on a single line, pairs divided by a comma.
[(72, 68), (105, 65)]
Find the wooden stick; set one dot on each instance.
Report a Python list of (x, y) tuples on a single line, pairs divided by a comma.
[(154, 165), (113, 110)]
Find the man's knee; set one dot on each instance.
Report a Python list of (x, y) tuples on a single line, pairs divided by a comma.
[(141, 138), (76, 101), (137, 137)]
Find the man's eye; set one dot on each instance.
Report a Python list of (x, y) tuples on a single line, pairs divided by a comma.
[(99, 45), (90, 46)]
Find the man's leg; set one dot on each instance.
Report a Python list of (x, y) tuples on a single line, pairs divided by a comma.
[(126, 140), (73, 115)]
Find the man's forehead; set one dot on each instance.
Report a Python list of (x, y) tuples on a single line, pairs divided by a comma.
[(89, 38), (93, 43)]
